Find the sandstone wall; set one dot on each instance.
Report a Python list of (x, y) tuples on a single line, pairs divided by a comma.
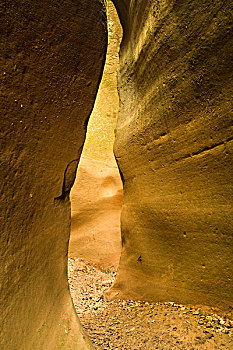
[(96, 196), (174, 149), (52, 58)]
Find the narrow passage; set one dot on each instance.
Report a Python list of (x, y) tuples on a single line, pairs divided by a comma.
[(95, 241)]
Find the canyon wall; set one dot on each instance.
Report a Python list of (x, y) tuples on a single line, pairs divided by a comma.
[(51, 58), (96, 197), (174, 148)]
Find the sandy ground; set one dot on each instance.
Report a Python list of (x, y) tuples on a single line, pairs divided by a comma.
[(126, 324)]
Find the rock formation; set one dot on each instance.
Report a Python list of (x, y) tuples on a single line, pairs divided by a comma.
[(173, 146), (174, 149), (96, 197), (52, 60)]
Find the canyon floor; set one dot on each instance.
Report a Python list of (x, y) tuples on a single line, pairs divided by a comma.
[(134, 325)]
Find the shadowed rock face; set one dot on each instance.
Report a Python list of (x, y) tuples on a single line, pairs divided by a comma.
[(52, 60), (174, 149)]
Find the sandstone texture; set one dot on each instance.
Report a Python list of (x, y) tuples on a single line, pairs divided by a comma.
[(96, 197), (51, 59), (174, 148), (96, 203)]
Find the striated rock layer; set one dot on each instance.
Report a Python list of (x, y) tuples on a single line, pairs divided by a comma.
[(96, 197), (52, 60), (174, 148)]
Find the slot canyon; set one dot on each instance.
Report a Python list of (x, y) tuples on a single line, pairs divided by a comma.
[(151, 223), (96, 196)]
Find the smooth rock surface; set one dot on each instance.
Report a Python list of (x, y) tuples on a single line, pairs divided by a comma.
[(51, 59), (173, 145), (96, 200), (174, 148)]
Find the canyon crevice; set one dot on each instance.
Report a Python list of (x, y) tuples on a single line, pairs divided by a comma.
[(173, 147), (97, 194)]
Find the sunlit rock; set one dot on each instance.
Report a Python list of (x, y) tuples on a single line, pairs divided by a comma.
[(174, 149), (96, 196)]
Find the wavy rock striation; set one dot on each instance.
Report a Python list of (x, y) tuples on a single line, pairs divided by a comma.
[(174, 149), (173, 146)]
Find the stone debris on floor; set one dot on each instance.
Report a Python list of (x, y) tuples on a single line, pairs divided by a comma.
[(129, 325)]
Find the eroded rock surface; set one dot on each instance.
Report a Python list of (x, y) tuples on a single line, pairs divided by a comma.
[(52, 60), (96, 196), (174, 148)]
